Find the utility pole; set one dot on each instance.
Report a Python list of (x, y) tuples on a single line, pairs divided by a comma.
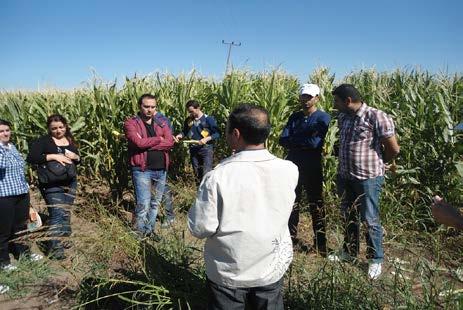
[(230, 45)]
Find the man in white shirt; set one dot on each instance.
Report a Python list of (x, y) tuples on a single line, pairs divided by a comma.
[(242, 208)]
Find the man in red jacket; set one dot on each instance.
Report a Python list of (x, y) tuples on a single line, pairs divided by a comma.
[(149, 141)]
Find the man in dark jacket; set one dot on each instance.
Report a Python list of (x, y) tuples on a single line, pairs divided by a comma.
[(304, 136)]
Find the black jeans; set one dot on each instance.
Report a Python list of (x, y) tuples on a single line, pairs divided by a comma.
[(14, 212), (269, 297), (201, 160), (311, 180)]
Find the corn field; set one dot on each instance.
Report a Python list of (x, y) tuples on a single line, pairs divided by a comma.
[(424, 106)]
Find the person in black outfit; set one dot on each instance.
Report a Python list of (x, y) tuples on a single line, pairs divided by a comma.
[(58, 145), (303, 137)]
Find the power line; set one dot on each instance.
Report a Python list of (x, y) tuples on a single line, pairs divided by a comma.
[(230, 45)]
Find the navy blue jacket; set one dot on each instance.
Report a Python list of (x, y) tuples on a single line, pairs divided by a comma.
[(208, 123), (305, 132)]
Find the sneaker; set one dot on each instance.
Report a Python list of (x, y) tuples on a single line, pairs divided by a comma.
[(340, 257), (374, 270), (9, 268), (4, 288), (34, 257)]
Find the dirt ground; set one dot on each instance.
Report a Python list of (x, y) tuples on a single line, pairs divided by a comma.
[(60, 289)]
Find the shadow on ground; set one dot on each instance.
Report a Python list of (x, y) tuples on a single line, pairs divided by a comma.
[(161, 285)]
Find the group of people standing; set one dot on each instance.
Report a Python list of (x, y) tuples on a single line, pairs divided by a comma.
[(367, 141), (56, 147), (244, 206), (150, 138)]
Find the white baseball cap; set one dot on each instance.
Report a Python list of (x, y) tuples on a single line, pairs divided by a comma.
[(310, 89)]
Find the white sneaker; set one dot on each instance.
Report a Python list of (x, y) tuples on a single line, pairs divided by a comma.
[(9, 268), (34, 257), (4, 288), (374, 270)]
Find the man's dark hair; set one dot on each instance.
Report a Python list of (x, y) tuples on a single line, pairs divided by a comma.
[(145, 96), (252, 121), (5, 123), (192, 103), (344, 91)]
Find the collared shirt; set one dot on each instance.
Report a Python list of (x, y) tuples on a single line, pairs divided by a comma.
[(242, 208), (360, 154), (12, 178)]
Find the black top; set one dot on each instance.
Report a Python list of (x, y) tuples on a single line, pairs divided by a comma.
[(40, 148), (155, 159)]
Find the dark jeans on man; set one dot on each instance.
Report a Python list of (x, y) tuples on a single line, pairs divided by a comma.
[(201, 160), (311, 180), (269, 297), (360, 198), (14, 212), (59, 200)]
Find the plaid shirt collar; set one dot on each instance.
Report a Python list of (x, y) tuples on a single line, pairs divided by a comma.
[(359, 113), (363, 109), (7, 147)]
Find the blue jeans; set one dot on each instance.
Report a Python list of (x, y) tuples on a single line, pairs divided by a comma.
[(58, 200), (149, 188), (361, 197), (201, 160)]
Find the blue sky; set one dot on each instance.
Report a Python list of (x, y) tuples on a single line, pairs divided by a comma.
[(58, 43)]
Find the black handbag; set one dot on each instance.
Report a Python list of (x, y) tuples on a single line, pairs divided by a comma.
[(55, 172)]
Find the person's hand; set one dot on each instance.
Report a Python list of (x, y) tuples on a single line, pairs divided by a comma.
[(445, 214), (203, 141), (71, 155), (63, 160), (392, 167), (178, 137), (32, 214)]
